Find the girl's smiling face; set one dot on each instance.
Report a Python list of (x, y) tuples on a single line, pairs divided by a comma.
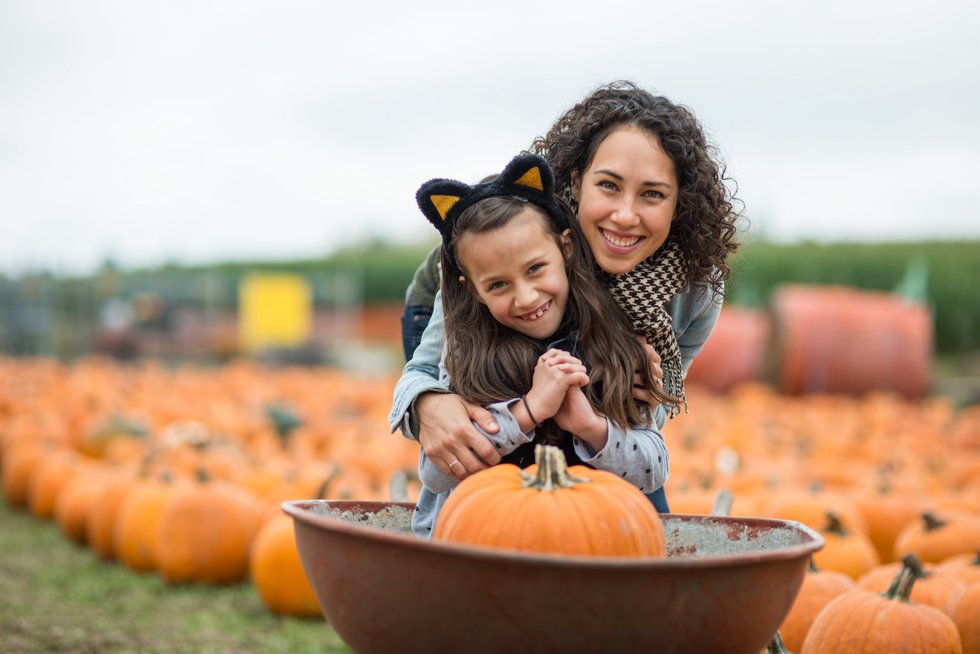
[(627, 197), (518, 272)]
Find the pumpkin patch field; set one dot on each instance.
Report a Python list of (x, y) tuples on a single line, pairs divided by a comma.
[(141, 503)]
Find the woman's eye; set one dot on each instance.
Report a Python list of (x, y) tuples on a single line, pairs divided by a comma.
[(535, 268), (657, 195), (607, 185)]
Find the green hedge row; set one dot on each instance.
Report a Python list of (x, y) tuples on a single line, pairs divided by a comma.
[(943, 275)]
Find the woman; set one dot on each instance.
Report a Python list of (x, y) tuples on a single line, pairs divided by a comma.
[(653, 205)]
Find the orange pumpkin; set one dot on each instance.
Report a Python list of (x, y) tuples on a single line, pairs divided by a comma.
[(553, 509), (811, 509), (966, 616), (277, 571), (135, 533), (206, 532), (964, 566), (818, 589), (19, 462), (101, 520), (937, 537), (933, 586), (75, 500), (53, 470), (850, 552), (887, 514), (864, 622)]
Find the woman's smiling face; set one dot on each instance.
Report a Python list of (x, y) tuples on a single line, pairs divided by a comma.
[(627, 197)]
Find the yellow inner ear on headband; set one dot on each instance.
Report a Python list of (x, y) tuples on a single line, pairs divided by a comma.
[(443, 203), (532, 179)]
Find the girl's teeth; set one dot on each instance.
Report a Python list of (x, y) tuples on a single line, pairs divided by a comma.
[(537, 314)]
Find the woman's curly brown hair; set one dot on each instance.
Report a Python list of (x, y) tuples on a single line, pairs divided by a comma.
[(705, 219)]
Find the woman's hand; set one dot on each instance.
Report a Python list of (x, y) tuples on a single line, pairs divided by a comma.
[(555, 372), (639, 392), (578, 416), (450, 440)]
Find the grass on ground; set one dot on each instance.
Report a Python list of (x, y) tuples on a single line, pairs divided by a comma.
[(57, 596)]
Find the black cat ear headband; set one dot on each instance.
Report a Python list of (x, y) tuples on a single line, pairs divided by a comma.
[(528, 177)]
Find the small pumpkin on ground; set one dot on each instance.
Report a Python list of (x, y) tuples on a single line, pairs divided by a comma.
[(864, 622), (554, 509), (964, 566), (967, 619), (887, 513), (135, 539), (819, 588), (933, 586), (847, 551), (101, 520), (75, 501), (937, 537), (277, 571), (206, 532)]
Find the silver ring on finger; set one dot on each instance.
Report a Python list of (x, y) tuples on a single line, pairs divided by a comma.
[(453, 463)]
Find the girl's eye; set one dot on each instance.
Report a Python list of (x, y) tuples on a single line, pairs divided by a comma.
[(495, 286)]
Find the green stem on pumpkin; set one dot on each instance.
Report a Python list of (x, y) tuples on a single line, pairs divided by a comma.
[(723, 503), (932, 522), (834, 525), (776, 645), (552, 472), (901, 586)]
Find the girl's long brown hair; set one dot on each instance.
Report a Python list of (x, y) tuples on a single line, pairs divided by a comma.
[(488, 362)]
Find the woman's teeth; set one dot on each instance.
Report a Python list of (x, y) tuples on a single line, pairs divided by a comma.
[(620, 241)]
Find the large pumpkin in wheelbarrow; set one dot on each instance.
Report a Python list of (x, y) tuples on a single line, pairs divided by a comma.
[(552, 509), (725, 585)]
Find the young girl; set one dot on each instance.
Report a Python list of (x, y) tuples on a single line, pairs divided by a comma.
[(658, 217), (532, 335)]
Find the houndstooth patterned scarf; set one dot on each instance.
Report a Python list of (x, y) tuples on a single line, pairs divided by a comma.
[(642, 293)]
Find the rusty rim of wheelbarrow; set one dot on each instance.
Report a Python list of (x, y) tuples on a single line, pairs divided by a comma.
[(811, 540)]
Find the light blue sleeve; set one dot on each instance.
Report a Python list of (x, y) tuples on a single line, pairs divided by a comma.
[(637, 454), (507, 439), (693, 315), (421, 374)]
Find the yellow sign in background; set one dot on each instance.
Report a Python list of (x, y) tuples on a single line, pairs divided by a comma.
[(274, 311)]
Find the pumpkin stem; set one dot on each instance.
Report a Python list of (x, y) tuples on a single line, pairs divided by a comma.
[(901, 586), (932, 522), (776, 645), (723, 503), (976, 561), (552, 472), (813, 566), (834, 525), (321, 491)]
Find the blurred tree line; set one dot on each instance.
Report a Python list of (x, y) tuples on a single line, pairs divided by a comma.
[(41, 313)]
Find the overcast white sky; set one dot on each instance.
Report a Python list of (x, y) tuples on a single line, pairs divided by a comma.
[(197, 131)]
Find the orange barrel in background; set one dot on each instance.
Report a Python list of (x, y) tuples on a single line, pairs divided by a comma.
[(735, 352), (831, 339)]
